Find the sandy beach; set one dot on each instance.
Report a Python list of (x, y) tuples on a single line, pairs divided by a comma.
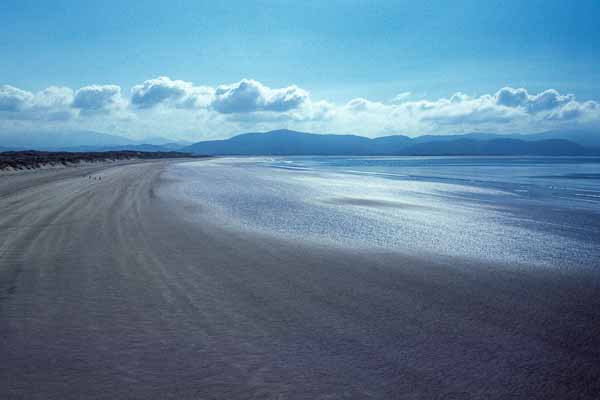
[(109, 289)]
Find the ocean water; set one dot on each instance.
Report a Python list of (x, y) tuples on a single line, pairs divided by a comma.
[(519, 210)]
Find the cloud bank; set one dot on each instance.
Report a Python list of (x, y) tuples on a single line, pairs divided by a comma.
[(167, 106)]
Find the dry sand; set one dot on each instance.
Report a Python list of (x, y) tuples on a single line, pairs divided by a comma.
[(108, 291)]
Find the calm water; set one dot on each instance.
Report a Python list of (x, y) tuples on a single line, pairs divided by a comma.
[(534, 211)]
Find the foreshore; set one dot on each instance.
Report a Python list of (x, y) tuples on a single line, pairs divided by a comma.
[(111, 289)]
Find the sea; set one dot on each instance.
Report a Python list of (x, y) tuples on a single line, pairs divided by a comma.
[(519, 211)]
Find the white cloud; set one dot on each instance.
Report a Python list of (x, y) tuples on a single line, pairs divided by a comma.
[(245, 96), (510, 97), (575, 110), (461, 109), (546, 101), (14, 99), (508, 110), (53, 104), (321, 110), (50, 104), (249, 95), (164, 106), (98, 99), (164, 90), (53, 97), (549, 100)]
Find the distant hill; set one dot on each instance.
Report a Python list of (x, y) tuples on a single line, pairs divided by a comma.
[(389, 145), (287, 143), (161, 141), (500, 147), (59, 139), (582, 137), (83, 141), (283, 142), (586, 138), (127, 147)]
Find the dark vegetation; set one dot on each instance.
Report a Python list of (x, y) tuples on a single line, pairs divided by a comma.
[(31, 159)]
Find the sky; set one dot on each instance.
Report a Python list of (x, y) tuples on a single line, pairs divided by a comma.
[(199, 70)]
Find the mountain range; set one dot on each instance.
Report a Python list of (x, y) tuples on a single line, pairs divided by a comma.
[(286, 142)]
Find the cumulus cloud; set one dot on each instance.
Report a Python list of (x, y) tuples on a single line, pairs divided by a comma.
[(321, 110), (166, 105), (53, 97), (509, 109), (245, 96), (549, 100), (98, 98), (59, 103), (164, 90), (506, 106), (545, 101), (14, 99), (575, 110), (461, 109), (249, 95), (51, 104), (510, 97)]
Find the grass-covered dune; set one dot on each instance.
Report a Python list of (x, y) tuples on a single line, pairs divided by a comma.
[(31, 159)]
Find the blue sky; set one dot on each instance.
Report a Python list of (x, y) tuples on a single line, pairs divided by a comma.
[(336, 51)]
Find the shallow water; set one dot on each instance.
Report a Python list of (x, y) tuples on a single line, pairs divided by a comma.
[(518, 210)]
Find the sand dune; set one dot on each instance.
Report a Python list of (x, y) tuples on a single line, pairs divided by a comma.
[(109, 291)]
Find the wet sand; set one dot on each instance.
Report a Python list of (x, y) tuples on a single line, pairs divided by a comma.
[(111, 290)]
